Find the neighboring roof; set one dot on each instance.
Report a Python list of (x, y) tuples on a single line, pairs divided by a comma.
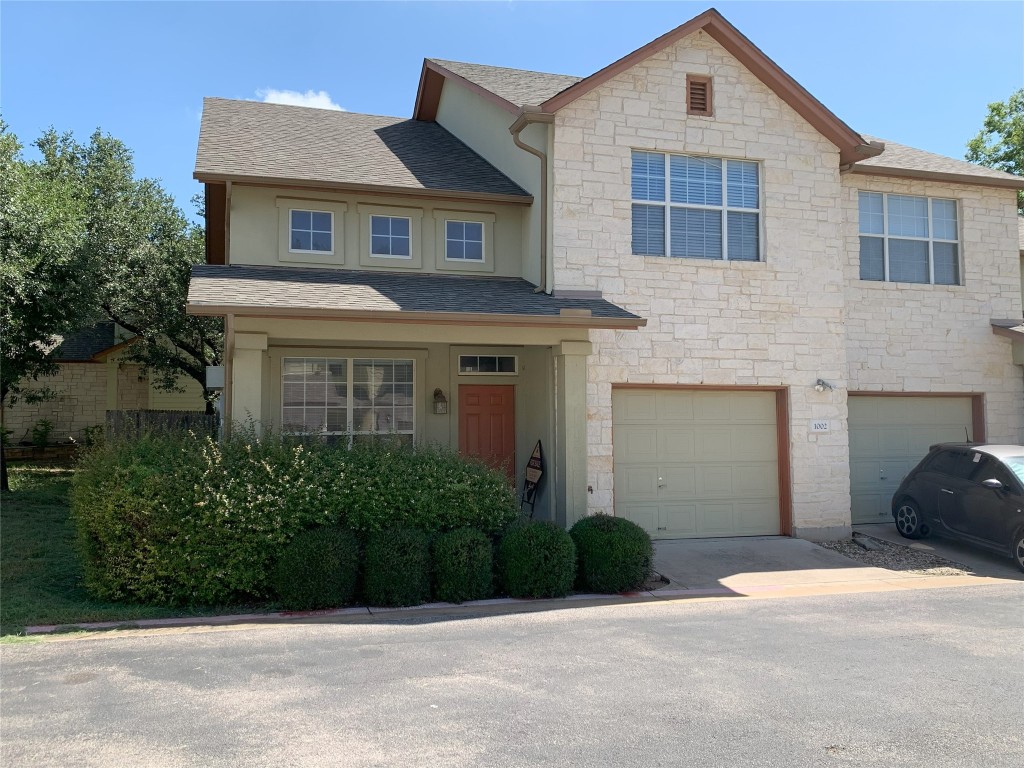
[(306, 292), (516, 86), (1011, 329), (275, 143), (901, 160), (85, 344), (514, 91)]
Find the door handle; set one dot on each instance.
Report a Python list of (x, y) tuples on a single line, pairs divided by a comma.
[(946, 490), (661, 482)]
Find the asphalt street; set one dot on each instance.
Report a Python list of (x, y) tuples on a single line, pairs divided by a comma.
[(911, 678)]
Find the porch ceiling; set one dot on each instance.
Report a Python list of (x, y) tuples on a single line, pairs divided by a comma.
[(350, 294)]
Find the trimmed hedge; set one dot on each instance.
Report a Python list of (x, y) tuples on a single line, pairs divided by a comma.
[(397, 567), (318, 569), (538, 559), (614, 554), (463, 566), (176, 518)]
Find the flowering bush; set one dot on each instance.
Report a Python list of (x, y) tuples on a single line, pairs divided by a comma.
[(184, 519)]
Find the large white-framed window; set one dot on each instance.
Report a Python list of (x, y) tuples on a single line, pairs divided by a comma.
[(310, 231), (690, 206), (909, 239), (391, 237), (348, 398)]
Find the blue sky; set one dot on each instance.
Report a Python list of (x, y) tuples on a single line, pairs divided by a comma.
[(917, 73)]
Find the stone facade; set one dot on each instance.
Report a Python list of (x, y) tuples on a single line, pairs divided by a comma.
[(799, 314), (80, 402)]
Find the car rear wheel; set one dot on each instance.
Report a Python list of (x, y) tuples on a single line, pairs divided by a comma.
[(908, 520), (1017, 549)]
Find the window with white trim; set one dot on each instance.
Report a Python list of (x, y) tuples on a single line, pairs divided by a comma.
[(390, 236), (347, 398), (488, 365), (311, 231), (464, 240), (687, 206), (909, 239)]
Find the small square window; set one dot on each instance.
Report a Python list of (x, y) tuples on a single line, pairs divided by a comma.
[(390, 236), (311, 231), (464, 241)]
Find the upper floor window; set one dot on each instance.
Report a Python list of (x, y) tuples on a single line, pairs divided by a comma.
[(907, 239), (464, 240), (686, 206), (390, 236), (311, 232)]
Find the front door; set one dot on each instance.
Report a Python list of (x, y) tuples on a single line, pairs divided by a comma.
[(487, 425)]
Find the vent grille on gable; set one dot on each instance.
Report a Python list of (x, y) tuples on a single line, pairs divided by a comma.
[(698, 95)]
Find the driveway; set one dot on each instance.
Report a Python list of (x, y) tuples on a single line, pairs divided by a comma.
[(980, 561), (749, 564), (895, 679)]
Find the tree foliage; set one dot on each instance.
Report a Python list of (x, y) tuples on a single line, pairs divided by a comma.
[(1000, 142)]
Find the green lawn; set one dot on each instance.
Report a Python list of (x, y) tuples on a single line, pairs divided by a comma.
[(40, 576)]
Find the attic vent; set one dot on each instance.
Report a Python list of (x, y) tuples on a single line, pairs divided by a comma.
[(698, 95)]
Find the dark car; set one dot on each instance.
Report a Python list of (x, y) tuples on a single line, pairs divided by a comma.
[(966, 491)]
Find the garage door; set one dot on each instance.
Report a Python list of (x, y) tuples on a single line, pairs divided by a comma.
[(888, 437), (693, 463)]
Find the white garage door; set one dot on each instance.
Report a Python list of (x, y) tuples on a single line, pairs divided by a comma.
[(888, 437), (694, 463)]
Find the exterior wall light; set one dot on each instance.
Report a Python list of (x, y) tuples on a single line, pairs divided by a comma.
[(440, 402), (821, 385)]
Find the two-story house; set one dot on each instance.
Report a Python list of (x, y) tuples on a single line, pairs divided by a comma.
[(720, 309)]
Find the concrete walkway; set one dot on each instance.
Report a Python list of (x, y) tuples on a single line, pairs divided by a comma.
[(981, 561)]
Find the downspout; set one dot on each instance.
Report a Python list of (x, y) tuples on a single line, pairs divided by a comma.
[(530, 114)]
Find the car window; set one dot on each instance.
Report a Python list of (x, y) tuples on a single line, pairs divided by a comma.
[(951, 463), (983, 467), (1016, 465)]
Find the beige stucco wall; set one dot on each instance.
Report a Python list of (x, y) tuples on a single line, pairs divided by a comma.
[(771, 323), (483, 126), (259, 231), (189, 400), (938, 338)]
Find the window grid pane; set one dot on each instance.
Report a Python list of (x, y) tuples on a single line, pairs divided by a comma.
[(648, 176), (390, 236), (649, 230), (696, 233), (464, 240), (917, 239), (315, 396), (742, 179), (311, 231)]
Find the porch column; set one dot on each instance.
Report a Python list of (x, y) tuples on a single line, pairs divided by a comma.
[(247, 378), (571, 423)]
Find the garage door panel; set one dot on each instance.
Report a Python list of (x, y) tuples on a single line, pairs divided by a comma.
[(716, 453), (678, 520), (889, 436)]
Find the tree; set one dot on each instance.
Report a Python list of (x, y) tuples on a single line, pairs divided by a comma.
[(45, 290), (1000, 143)]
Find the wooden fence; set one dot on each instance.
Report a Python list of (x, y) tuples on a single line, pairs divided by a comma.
[(136, 422)]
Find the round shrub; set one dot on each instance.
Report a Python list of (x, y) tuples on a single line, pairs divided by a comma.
[(396, 567), (614, 553), (318, 569), (538, 559), (463, 566)]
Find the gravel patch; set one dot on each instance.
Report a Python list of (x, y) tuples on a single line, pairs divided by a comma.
[(898, 557)]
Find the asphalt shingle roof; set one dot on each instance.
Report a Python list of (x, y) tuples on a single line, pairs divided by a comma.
[(254, 139), (906, 158), (86, 342), (298, 288), (518, 86)]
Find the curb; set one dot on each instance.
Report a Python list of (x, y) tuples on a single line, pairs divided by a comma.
[(507, 605)]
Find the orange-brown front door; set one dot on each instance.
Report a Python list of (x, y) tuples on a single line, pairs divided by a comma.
[(487, 424)]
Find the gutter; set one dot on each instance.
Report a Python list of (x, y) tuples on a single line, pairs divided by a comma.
[(530, 114)]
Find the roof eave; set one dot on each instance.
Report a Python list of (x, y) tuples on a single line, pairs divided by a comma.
[(208, 177), (949, 178), (428, 95), (398, 316)]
